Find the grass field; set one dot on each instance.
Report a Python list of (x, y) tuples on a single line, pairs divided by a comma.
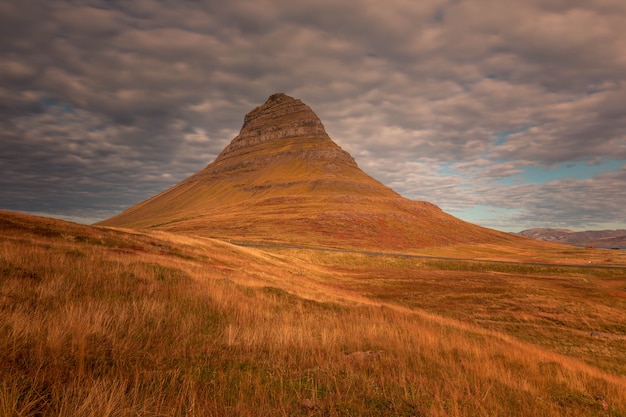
[(576, 311), (100, 322)]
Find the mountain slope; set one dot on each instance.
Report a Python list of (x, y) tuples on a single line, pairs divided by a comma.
[(283, 179)]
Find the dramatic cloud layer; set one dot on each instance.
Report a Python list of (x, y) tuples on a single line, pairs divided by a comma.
[(509, 114)]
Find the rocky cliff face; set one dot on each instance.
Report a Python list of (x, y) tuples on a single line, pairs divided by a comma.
[(275, 124)]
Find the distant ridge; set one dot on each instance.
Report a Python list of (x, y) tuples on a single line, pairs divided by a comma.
[(283, 179), (603, 238)]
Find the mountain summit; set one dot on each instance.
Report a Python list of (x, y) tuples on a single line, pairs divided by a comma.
[(283, 179), (279, 119), (283, 133)]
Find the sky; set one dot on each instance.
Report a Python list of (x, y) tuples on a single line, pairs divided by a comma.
[(509, 114)]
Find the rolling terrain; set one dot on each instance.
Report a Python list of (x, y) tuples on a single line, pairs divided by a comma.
[(112, 322)]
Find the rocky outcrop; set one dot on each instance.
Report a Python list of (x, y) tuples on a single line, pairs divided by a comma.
[(279, 117), (273, 124)]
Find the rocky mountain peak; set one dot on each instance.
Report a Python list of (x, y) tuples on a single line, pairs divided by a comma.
[(284, 123), (274, 110)]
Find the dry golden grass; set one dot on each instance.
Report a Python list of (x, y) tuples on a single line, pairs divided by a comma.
[(97, 322), (579, 311)]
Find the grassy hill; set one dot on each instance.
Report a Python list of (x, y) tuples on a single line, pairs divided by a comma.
[(283, 179), (104, 322)]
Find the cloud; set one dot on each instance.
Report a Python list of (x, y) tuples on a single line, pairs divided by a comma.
[(107, 103), (566, 203)]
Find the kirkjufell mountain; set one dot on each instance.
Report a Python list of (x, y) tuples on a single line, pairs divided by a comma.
[(283, 179)]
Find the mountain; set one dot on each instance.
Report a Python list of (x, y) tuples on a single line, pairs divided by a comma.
[(606, 238), (283, 179)]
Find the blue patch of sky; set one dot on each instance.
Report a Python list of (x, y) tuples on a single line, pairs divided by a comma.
[(509, 180), (52, 102), (48, 101), (573, 170), (67, 109), (487, 216), (446, 169), (502, 137)]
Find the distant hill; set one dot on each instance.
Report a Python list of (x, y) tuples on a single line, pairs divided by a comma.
[(603, 238), (283, 179)]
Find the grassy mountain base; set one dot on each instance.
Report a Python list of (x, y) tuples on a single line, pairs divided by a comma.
[(101, 322)]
